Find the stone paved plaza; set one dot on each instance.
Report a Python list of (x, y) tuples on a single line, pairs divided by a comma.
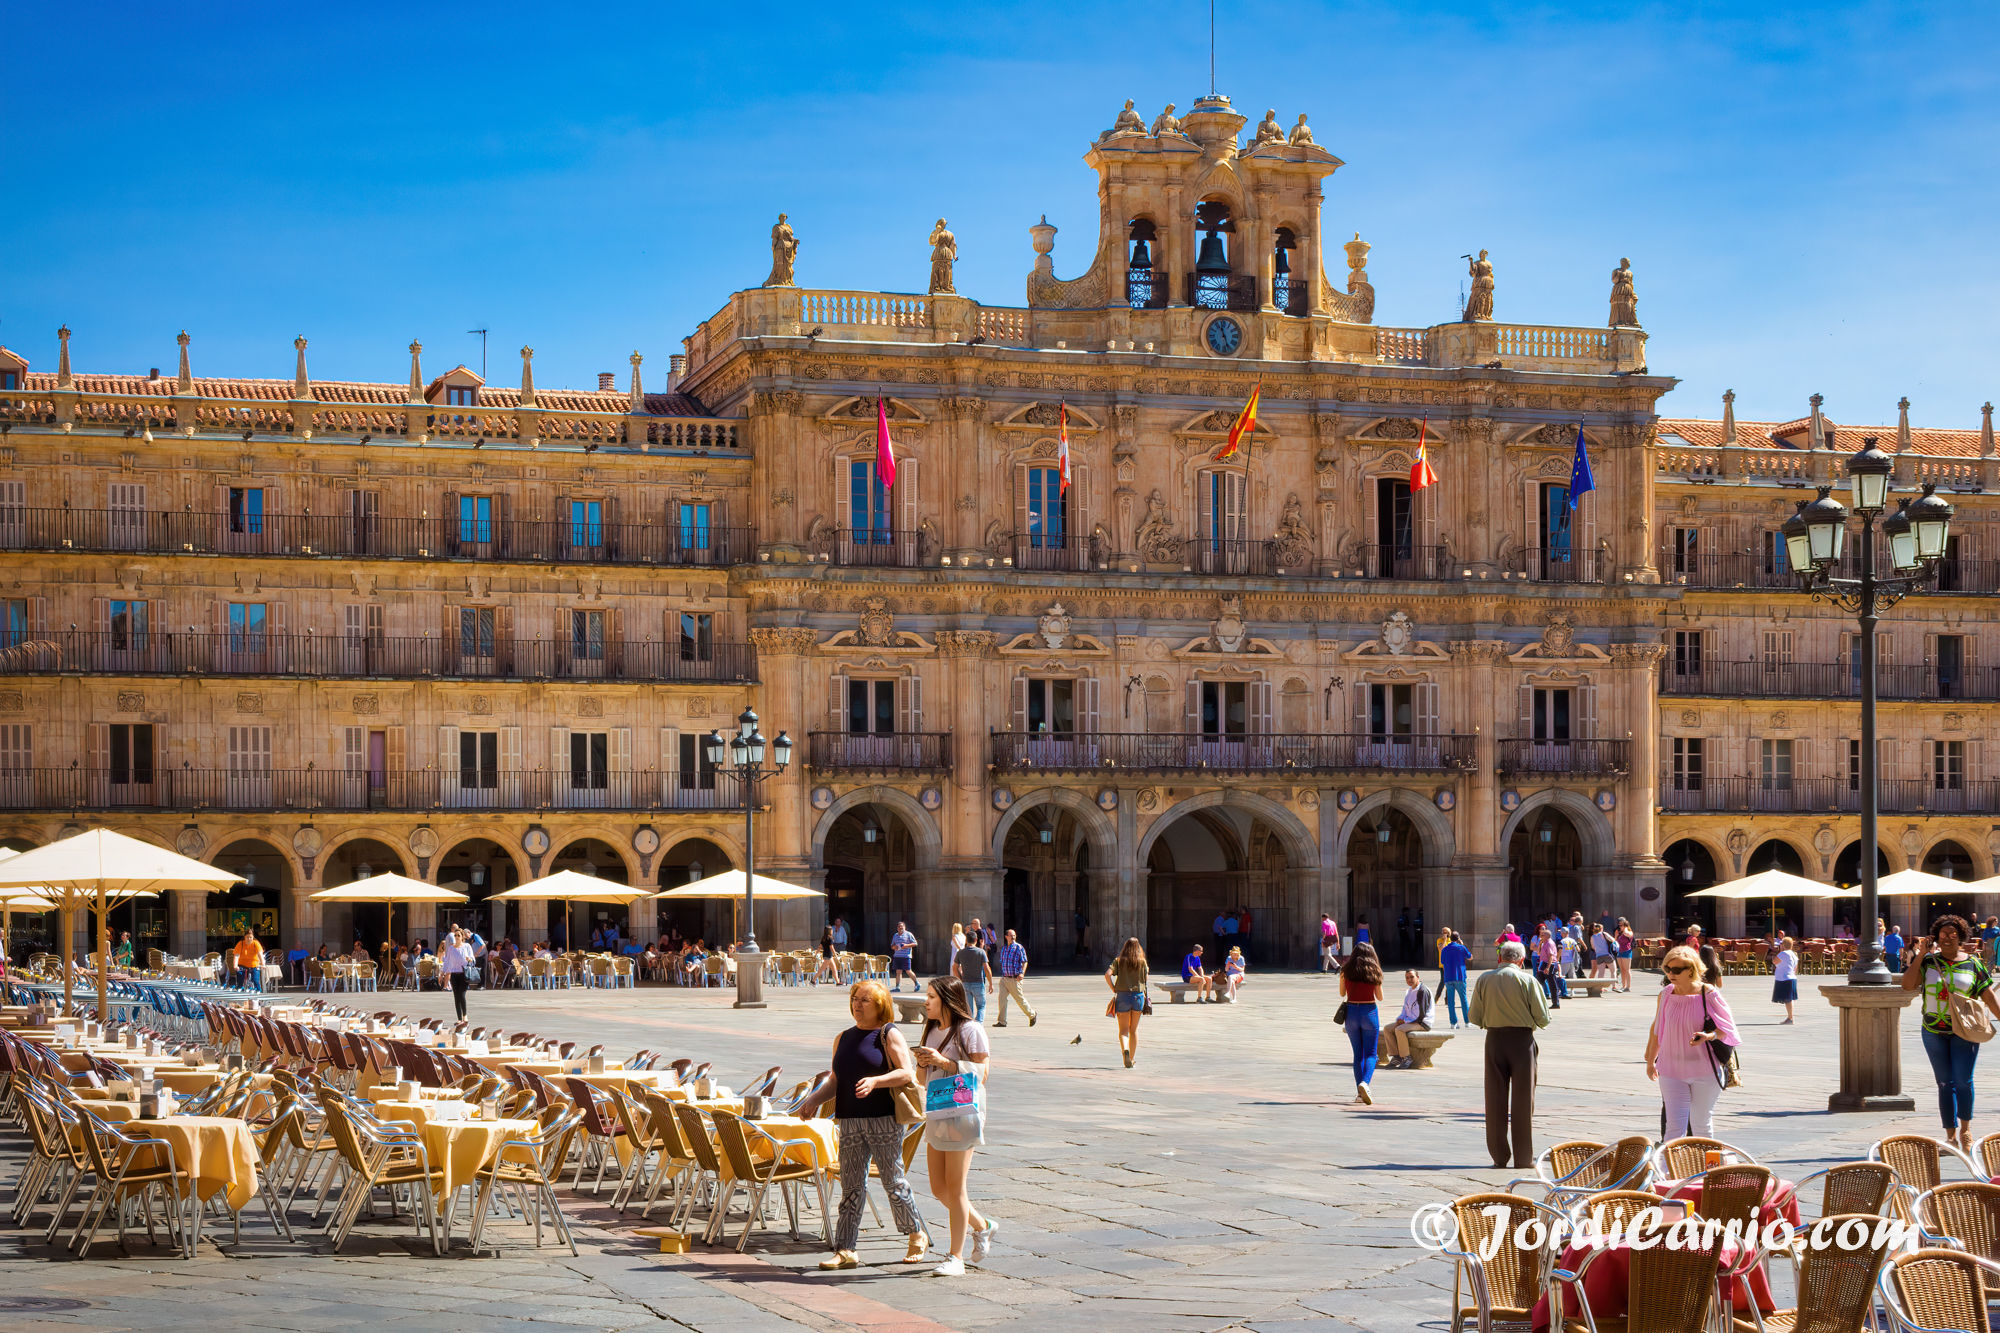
[(1226, 1182)]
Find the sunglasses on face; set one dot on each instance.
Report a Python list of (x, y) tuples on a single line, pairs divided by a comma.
[(1676, 971)]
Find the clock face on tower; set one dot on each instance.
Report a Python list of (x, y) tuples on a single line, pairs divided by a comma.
[(1225, 335)]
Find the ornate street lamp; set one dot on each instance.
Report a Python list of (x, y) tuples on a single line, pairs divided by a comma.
[(743, 755), (1815, 539)]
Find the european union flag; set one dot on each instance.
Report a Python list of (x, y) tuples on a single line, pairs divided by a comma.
[(1579, 471)]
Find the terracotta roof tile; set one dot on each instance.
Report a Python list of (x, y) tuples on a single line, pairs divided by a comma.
[(1762, 435), (337, 392)]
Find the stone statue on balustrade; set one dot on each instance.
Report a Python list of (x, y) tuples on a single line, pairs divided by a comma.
[(1168, 125), (1301, 132), (1624, 301), (1128, 122), (1268, 129), (784, 253), (944, 253), (1479, 305)]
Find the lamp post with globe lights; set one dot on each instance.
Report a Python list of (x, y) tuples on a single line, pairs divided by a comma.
[(1815, 538), (743, 755)]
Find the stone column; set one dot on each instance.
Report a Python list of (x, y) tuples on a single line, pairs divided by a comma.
[(306, 917), (1819, 917), (1871, 1049), (966, 813), (187, 922), (532, 921), (784, 832), (962, 531), (1729, 917), (420, 924)]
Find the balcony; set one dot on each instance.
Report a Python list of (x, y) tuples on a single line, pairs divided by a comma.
[(1837, 796), (1167, 752), (1068, 551), (1573, 758), (335, 655), (1558, 564), (330, 789), (1745, 571), (898, 752), (1829, 680), (871, 547), (373, 537), (1390, 560)]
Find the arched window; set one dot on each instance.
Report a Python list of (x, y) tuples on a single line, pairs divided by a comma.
[(1288, 293), (1145, 285)]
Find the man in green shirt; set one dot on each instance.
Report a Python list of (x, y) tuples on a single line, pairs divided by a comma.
[(1509, 1004)]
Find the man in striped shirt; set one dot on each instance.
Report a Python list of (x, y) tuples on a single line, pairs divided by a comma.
[(1013, 964)]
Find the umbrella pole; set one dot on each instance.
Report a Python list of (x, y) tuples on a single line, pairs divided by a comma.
[(69, 962), (103, 954)]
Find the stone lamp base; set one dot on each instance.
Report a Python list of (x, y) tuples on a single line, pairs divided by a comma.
[(1871, 1047)]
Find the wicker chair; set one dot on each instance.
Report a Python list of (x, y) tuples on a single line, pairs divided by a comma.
[(1613, 1209), (1626, 1164), (1918, 1161), (1836, 1283), (1987, 1151), (1667, 1290), (1938, 1290), (1734, 1193), (1964, 1215), (1686, 1158), (1503, 1290)]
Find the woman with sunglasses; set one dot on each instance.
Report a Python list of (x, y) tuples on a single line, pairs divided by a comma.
[(1691, 1017)]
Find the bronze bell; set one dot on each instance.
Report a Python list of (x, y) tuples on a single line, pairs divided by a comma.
[(1142, 255), (1284, 264), (1212, 258)]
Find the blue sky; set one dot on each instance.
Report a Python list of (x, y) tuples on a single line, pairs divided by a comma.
[(1806, 192)]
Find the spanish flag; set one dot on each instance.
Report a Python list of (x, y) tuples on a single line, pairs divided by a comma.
[(1062, 443), (1420, 471), (1246, 421)]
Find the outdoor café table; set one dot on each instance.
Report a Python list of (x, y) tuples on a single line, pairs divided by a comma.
[(192, 971), (1607, 1285), (218, 1153), (457, 1145), (554, 1069)]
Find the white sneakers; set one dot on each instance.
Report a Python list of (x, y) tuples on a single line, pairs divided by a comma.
[(953, 1266), (982, 1241)]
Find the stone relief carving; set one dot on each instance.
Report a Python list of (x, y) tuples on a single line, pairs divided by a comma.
[(877, 626), (1559, 638), (1293, 540), (1155, 537), (1398, 634), (1397, 428), (1054, 626), (1228, 632)]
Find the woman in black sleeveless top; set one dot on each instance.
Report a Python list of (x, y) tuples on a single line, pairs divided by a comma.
[(870, 1061)]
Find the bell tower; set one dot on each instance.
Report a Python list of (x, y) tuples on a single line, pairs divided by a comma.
[(1195, 225)]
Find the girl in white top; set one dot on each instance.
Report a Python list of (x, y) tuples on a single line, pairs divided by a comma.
[(1784, 975), (954, 1044)]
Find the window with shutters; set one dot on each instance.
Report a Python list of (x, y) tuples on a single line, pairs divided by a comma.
[(586, 524), (1395, 519), (1684, 554), (871, 707), (697, 636), (1774, 765), (1048, 508), (478, 760), (1391, 711), (695, 527), (868, 503), (1854, 765), (15, 622), (17, 764), (695, 772), (131, 753), (1554, 515), (1948, 765), (14, 513), (1225, 708), (1949, 666), (365, 511), (1777, 651), (589, 760), (1687, 652), (1951, 573), (1225, 522), (1550, 715), (128, 627), (1051, 705), (477, 631), (475, 519), (586, 636), (1688, 763), (249, 766), (246, 510), (128, 515), (1777, 563), (10, 380), (1854, 657), (461, 395), (247, 622)]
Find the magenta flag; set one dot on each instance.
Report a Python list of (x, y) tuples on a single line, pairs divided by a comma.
[(885, 457)]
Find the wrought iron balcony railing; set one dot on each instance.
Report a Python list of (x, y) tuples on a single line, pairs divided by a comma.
[(1169, 752), (894, 752), (1565, 758), (310, 789)]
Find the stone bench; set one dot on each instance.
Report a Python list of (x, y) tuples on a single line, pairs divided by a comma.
[(1591, 986), (1180, 990), (909, 1008), (1423, 1045)]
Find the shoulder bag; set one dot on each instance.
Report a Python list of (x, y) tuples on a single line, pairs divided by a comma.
[(1969, 1018), (1728, 1069)]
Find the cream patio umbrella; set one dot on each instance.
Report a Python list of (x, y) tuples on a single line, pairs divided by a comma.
[(388, 889), (569, 886), (96, 868), (16, 900), (729, 884), (1922, 884), (1773, 884)]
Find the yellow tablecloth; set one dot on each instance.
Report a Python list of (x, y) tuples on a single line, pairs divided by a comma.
[(461, 1148), (192, 971), (113, 1112), (551, 1068), (390, 1092), (424, 1113), (219, 1154)]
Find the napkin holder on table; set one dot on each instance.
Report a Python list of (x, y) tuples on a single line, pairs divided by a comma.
[(479, 1046), (121, 1089), (753, 1108), (131, 1040), (233, 1063), (192, 1059), (596, 1064), (406, 1091)]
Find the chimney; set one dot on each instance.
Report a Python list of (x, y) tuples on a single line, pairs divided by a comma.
[(607, 381), (677, 365), (153, 374)]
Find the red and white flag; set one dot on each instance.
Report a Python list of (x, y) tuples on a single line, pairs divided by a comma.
[(1062, 443), (1421, 474), (885, 456)]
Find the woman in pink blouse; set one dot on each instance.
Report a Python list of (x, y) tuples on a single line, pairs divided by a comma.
[(1678, 1050)]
